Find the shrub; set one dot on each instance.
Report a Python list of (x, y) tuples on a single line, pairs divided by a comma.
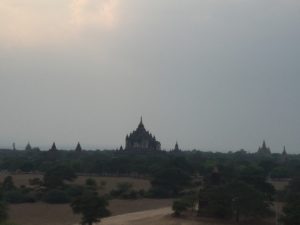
[(56, 197), (17, 196), (124, 190), (91, 182), (179, 206), (74, 191)]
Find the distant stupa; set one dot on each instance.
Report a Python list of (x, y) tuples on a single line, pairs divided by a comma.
[(284, 155), (78, 148), (176, 149), (28, 147), (53, 148)]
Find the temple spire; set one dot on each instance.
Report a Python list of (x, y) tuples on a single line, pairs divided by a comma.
[(141, 125), (264, 144), (53, 148), (78, 147), (284, 151), (28, 146)]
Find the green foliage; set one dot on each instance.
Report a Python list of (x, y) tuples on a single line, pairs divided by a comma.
[(236, 198), (74, 191), (291, 210), (18, 196), (248, 201), (56, 197), (3, 212), (169, 182), (91, 207), (215, 201), (179, 206), (279, 173), (8, 184), (255, 176), (55, 177), (124, 190), (91, 182)]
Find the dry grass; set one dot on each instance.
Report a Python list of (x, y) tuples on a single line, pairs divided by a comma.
[(279, 185), (111, 182)]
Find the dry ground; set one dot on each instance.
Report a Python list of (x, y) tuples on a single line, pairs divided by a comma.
[(124, 212), (47, 214), (164, 216), (279, 185), (111, 182)]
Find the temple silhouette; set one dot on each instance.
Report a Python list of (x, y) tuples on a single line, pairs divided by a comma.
[(141, 140), (264, 150)]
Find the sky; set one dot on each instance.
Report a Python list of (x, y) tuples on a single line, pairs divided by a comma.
[(213, 75)]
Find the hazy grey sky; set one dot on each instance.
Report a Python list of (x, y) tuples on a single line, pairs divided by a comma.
[(212, 74)]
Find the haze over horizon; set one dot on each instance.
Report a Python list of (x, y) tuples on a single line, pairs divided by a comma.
[(212, 74)]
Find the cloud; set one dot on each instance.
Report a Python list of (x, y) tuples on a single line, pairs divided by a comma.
[(36, 23), (95, 13)]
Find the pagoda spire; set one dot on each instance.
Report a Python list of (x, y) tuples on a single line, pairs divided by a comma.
[(53, 148), (141, 125), (78, 147), (264, 145), (28, 146), (284, 151)]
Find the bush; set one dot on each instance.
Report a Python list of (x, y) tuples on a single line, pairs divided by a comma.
[(56, 197), (74, 191), (3, 211), (124, 190), (91, 182), (179, 206), (17, 196), (279, 173)]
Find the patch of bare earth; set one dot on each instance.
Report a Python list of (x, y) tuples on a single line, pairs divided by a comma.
[(164, 216), (47, 214)]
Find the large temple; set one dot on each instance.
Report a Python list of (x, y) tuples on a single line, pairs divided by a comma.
[(264, 150), (142, 140)]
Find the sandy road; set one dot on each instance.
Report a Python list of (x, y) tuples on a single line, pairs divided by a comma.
[(134, 218)]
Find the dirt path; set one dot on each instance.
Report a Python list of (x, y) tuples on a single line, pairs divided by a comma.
[(137, 217), (133, 218)]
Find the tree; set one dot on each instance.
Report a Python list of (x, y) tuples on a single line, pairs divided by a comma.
[(56, 197), (233, 199), (91, 182), (3, 211), (248, 201), (169, 182), (291, 210), (55, 176), (91, 207), (8, 184), (179, 206)]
